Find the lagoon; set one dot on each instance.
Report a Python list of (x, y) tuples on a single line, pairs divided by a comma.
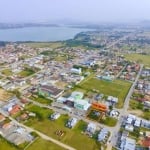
[(42, 34)]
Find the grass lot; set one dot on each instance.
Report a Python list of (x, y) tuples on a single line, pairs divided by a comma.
[(144, 59), (7, 72), (61, 58), (53, 45), (109, 121), (72, 137), (4, 95), (117, 88), (4, 145), (41, 99), (26, 72), (138, 109), (41, 144), (135, 104)]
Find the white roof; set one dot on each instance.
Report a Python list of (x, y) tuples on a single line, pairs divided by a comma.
[(129, 127), (129, 120), (129, 144), (131, 116)]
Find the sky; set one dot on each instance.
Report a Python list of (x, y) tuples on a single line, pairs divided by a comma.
[(92, 11)]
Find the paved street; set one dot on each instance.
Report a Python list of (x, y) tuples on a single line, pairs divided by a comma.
[(123, 112)]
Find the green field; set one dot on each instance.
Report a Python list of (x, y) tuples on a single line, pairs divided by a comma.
[(52, 45), (135, 106), (143, 59), (4, 145), (38, 144), (109, 121), (117, 88), (7, 72), (41, 99), (41, 144), (72, 137), (26, 72)]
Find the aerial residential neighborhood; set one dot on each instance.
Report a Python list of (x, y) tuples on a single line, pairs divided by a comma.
[(75, 75), (58, 94)]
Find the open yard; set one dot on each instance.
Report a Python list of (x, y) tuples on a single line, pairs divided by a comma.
[(52, 45), (117, 88), (7, 72), (143, 59), (100, 117), (26, 72), (41, 99), (137, 108), (4, 145), (41, 144), (72, 137)]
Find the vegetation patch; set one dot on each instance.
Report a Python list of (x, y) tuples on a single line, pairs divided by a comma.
[(109, 121), (52, 45), (5, 145), (116, 88), (26, 72), (41, 99), (73, 137), (7, 72), (41, 144), (143, 59)]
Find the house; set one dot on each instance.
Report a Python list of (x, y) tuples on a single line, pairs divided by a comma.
[(91, 128), (6, 125), (24, 116), (130, 119), (129, 128), (114, 114), (76, 101), (147, 104), (99, 107), (71, 122), (50, 91), (82, 104), (112, 99), (103, 135), (15, 109), (77, 95), (146, 142), (137, 122), (61, 99), (127, 143), (55, 116), (76, 71)]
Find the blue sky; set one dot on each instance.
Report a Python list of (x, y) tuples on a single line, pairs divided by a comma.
[(75, 10)]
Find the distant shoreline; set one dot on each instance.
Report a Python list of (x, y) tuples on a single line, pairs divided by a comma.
[(40, 34)]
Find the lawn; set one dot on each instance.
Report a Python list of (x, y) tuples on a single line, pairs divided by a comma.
[(41, 99), (7, 72), (134, 104), (117, 88), (41, 144), (98, 117), (143, 59), (138, 108), (5, 145), (52, 45), (26, 72), (61, 58), (72, 137), (109, 121)]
